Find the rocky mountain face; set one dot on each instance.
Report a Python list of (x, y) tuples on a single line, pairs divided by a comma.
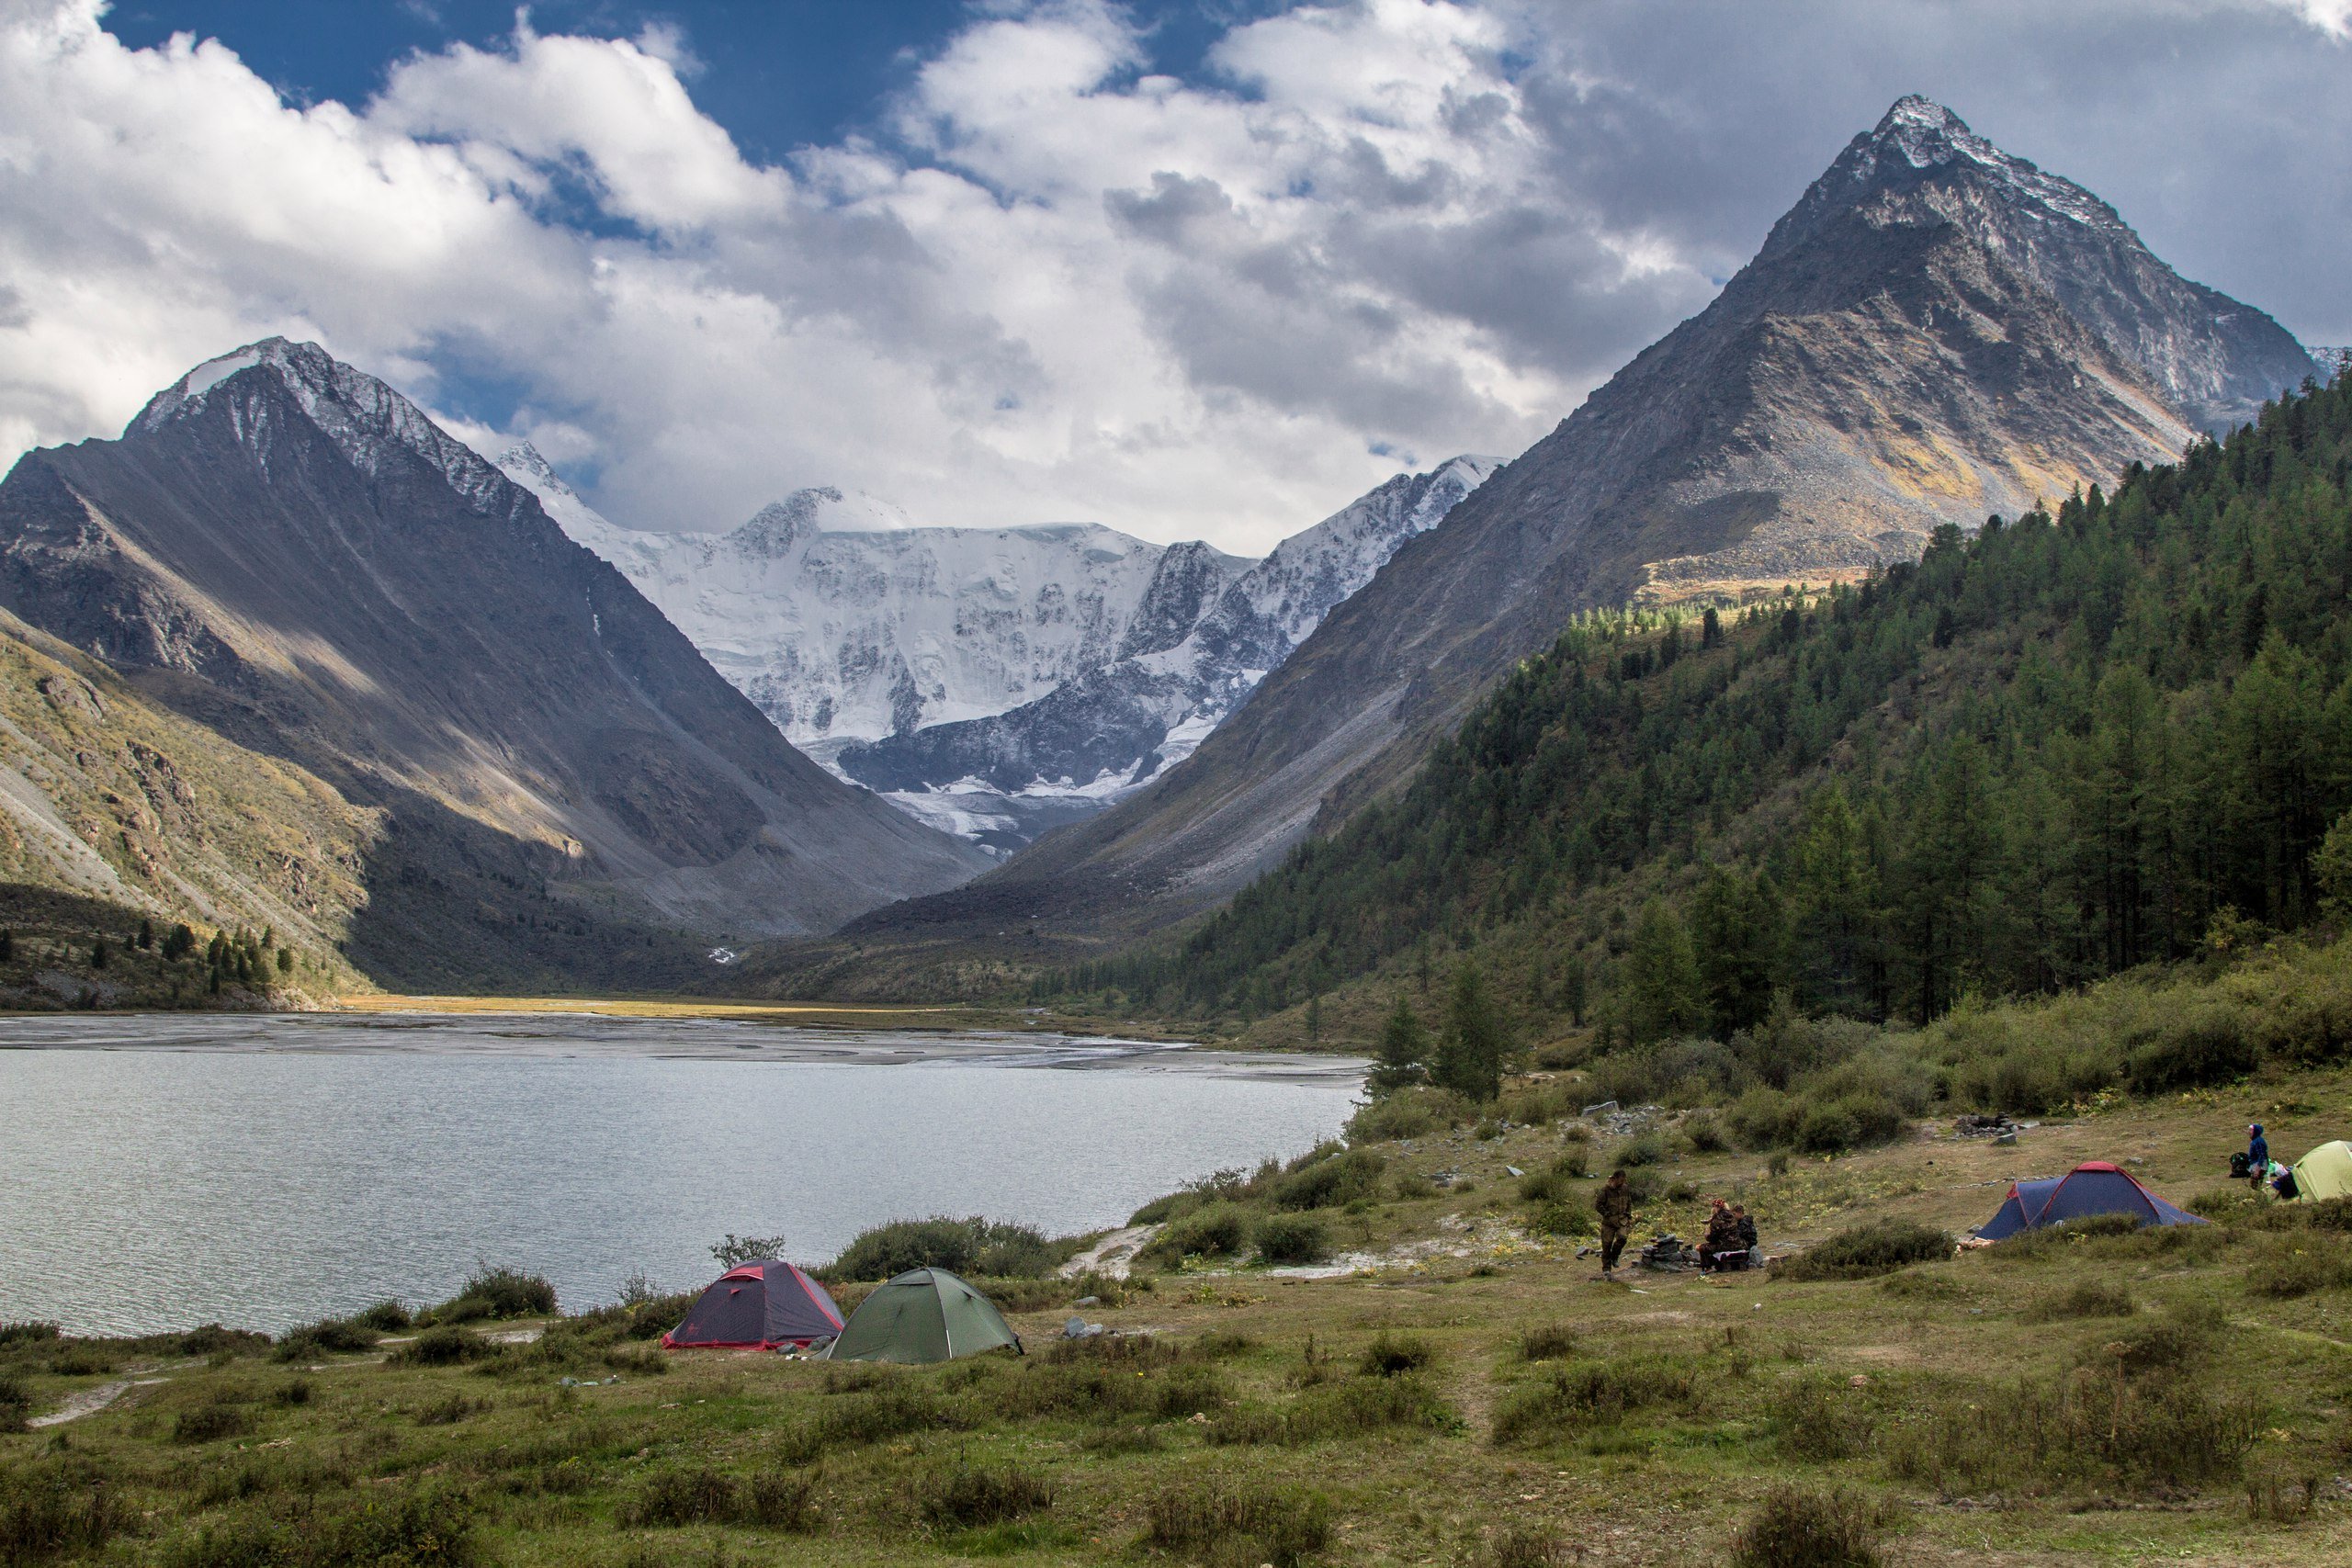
[(1935, 332), (995, 683), (114, 810), (1191, 657), (543, 778)]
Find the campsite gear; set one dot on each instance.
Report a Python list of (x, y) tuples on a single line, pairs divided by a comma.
[(2239, 1166), (2326, 1172), (925, 1314), (2093, 1187), (1669, 1254), (2284, 1185), (761, 1306)]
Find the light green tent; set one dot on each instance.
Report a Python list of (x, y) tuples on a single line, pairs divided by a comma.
[(2326, 1172), (925, 1314)]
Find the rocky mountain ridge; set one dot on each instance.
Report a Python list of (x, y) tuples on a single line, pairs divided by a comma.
[(1934, 332), (283, 551)]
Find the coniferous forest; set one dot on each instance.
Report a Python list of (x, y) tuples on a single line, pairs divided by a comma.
[(2077, 742)]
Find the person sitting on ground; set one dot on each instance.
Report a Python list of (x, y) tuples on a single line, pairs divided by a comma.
[(1615, 1204), (2258, 1158), (1747, 1236), (1722, 1240)]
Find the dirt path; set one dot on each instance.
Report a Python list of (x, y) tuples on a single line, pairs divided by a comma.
[(90, 1401), (1114, 1255)]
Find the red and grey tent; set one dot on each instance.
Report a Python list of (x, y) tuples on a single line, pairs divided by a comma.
[(760, 1305), (2094, 1187)]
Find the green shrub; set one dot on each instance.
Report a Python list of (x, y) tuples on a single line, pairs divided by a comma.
[(510, 1293), (2177, 1342), (1592, 1394), (1765, 1118), (1527, 1546), (2208, 1045), (15, 1334), (1828, 1129), (1816, 1423), (1391, 1354), (2052, 1239), (971, 1496), (16, 1403), (1646, 1148), (57, 1510), (330, 1336), (1354, 1409), (446, 1347), (1551, 1342), (872, 1414), (2113, 1421), (1803, 1530), (1279, 1527), (2222, 1203), (385, 1317), (1542, 1186), (210, 1423), (81, 1359), (1216, 1230), (1704, 1134), (451, 1411), (2090, 1298), (1567, 1216), (2297, 1265), (974, 1246), (1293, 1238), (1878, 1247), (212, 1339), (1330, 1181)]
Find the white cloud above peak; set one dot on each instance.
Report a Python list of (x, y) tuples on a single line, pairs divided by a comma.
[(1055, 287)]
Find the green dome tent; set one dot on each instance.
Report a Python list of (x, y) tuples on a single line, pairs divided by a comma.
[(2326, 1172), (925, 1314)]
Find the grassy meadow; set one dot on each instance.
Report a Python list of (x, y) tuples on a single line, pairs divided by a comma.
[(1463, 1389)]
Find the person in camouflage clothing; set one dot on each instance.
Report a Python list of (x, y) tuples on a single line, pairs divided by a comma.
[(1614, 1204)]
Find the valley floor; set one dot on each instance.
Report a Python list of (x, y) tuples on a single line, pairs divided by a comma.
[(1470, 1394)]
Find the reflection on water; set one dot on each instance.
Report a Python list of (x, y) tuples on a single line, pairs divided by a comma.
[(160, 1172)]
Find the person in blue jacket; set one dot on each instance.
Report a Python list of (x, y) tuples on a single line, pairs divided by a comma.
[(2257, 1157)]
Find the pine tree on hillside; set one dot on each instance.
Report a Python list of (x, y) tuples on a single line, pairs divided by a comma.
[(1403, 1056), (1663, 994), (1470, 1054)]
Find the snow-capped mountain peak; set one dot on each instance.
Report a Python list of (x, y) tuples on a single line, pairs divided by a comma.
[(1195, 655), (364, 417), (844, 621)]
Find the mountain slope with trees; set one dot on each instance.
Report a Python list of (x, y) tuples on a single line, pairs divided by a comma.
[(2073, 744), (1935, 332)]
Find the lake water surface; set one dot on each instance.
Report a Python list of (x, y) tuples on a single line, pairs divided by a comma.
[(158, 1172)]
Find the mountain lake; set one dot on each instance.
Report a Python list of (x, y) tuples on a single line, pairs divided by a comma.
[(165, 1170)]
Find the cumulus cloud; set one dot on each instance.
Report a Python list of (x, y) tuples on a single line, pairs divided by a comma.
[(1052, 285)]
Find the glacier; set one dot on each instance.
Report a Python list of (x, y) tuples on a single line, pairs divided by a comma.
[(995, 683)]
